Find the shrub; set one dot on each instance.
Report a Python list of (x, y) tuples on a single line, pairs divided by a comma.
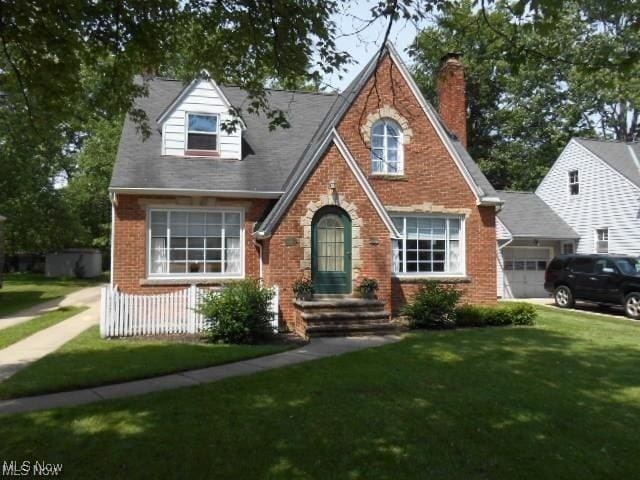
[(433, 306), (368, 287), (303, 289), (241, 313), (504, 314)]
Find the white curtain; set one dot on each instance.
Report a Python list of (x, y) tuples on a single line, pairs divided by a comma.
[(159, 255), (232, 254)]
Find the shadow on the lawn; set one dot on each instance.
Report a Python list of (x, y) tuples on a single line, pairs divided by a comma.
[(508, 403)]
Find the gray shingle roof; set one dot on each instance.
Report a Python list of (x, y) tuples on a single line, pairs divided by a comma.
[(272, 160), (527, 215), (622, 157), (268, 156)]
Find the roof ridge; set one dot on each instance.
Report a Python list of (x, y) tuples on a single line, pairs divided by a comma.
[(608, 140)]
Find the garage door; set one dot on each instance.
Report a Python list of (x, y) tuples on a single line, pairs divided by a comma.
[(524, 271)]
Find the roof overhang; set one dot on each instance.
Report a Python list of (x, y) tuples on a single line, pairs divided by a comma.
[(533, 236), (195, 192)]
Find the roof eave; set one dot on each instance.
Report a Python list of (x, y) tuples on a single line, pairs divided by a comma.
[(196, 192)]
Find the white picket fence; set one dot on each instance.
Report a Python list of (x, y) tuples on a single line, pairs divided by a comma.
[(123, 314)]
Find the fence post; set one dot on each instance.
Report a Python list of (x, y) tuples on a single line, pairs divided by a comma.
[(191, 308), (103, 310)]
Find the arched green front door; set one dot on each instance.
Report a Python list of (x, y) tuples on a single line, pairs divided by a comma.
[(331, 251)]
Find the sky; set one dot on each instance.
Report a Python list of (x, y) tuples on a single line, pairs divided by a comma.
[(362, 46)]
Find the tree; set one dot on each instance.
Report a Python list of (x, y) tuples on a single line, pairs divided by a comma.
[(535, 81)]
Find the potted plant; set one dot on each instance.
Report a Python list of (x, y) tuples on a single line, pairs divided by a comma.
[(303, 289), (368, 288)]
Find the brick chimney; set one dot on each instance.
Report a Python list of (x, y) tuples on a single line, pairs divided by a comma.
[(452, 95)]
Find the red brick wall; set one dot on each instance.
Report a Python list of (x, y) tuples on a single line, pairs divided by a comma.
[(430, 176), (284, 260), (130, 255)]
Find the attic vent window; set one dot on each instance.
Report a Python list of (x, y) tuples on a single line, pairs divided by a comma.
[(574, 182), (202, 134)]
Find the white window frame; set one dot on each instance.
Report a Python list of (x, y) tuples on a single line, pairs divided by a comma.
[(191, 276), (571, 183), (462, 273), (187, 132), (385, 165), (597, 238)]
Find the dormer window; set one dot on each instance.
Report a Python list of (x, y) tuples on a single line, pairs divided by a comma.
[(202, 134), (386, 147), (574, 182)]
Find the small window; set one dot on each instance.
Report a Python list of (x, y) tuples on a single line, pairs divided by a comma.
[(574, 182), (386, 147), (202, 133), (602, 240), (567, 248), (582, 265)]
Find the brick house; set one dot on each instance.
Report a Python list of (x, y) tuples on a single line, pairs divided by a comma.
[(372, 182)]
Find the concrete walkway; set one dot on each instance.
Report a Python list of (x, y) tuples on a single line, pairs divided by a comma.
[(86, 296), (20, 354), (317, 348)]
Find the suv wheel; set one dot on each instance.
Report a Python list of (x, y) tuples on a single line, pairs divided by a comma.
[(564, 297), (632, 305)]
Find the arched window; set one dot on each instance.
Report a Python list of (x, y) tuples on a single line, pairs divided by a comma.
[(386, 147)]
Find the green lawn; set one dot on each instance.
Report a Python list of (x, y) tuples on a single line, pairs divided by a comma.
[(560, 401), (23, 290), (23, 330), (89, 360)]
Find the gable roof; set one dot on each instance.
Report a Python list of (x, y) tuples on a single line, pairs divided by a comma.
[(621, 156), (268, 156), (525, 214), (479, 184)]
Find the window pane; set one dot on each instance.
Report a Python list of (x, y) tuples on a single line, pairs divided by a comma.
[(203, 123), (159, 217), (197, 243), (392, 131), (377, 141), (378, 129), (202, 141)]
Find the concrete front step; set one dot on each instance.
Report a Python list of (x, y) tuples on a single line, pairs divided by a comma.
[(351, 329), (315, 317), (349, 303)]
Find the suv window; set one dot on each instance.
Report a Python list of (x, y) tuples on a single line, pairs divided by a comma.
[(556, 264), (582, 265), (629, 266), (605, 265)]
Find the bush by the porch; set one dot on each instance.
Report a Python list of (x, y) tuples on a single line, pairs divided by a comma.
[(433, 306), (241, 313)]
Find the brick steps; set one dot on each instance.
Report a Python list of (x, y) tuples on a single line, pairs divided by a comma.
[(330, 315)]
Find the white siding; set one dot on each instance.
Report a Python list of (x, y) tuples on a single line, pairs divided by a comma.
[(203, 97), (606, 200), (501, 231)]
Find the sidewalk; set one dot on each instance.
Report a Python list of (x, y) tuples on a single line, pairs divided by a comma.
[(317, 348), (20, 354), (86, 296)]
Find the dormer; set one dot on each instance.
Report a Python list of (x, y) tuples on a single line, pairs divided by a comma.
[(193, 125)]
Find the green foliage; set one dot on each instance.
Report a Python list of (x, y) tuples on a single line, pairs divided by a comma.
[(368, 287), (501, 315), (303, 288), (536, 80), (433, 306), (241, 313)]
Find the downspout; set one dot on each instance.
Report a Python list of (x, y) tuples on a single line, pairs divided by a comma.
[(112, 197), (500, 247), (258, 244)]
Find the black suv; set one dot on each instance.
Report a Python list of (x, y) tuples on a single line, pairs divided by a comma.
[(603, 279)]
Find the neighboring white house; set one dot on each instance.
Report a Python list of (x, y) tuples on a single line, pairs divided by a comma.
[(589, 202)]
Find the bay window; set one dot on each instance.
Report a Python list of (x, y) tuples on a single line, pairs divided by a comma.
[(430, 245), (195, 243)]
